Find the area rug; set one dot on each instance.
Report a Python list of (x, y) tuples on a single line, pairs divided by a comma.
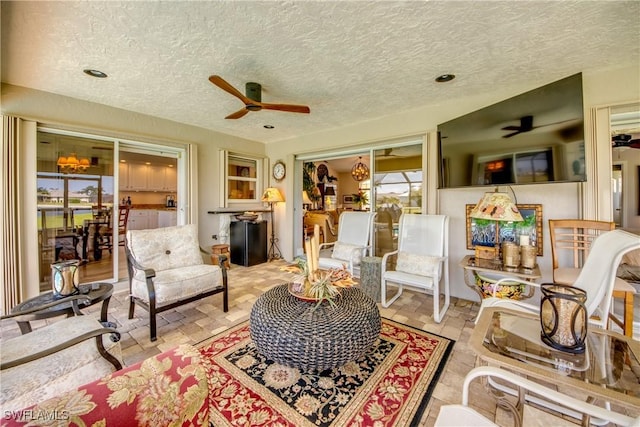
[(389, 386)]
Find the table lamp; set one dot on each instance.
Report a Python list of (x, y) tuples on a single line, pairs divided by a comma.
[(272, 195), (306, 201), (494, 206)]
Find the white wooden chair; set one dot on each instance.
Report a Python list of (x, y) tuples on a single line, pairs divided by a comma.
[(354, 231), (463, 415), (422, 260), (597, 277)]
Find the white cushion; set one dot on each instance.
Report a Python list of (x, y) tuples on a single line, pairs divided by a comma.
[(53, 375), (423, 265), (178, 283), (461, 416), (165, 248), (345, 252)]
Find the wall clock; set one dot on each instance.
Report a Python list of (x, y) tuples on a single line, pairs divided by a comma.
[(279, 171)]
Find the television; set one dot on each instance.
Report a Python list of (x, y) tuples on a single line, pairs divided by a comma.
[(535, 137)]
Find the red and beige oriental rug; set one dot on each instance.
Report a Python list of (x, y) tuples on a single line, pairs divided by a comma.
[(389, 386)]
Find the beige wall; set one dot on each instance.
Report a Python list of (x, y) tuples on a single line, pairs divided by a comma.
[(608, 87), (74, 114)]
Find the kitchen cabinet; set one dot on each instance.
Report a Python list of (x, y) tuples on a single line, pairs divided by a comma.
[(167, 218), (142, 219), (248, 242), (138, 177)]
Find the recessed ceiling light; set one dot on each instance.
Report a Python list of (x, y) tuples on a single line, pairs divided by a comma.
[(123, 161), (95, 73), (445, 78), (269, 126)]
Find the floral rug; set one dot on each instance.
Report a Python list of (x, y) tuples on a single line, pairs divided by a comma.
[(389, 386)]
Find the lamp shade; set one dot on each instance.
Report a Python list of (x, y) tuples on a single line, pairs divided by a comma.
[(272, 195), (305, 198), (497, 207), (329, 191)]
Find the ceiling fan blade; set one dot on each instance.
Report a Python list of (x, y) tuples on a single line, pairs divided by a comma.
[(511, 128), (287, 107), (512, 134), (237, 114), (222, 84)]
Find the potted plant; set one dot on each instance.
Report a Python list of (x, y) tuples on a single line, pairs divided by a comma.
[(360, 198)]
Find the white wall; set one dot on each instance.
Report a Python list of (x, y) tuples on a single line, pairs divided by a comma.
[(611, 86)]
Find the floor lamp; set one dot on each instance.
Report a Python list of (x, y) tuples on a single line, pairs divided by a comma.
[(272, 195)]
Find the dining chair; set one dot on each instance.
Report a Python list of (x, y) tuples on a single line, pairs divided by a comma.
[(597, 277), (462, 415), (571, 241), (352, 244), (422, 260), (106, 233)]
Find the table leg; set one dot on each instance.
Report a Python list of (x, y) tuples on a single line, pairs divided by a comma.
[(470, 281), (25, 327)]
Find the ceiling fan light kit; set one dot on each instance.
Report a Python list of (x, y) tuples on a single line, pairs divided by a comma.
[(253, 99)]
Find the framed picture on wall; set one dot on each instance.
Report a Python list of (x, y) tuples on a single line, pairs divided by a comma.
[(483, 232), (347, 199)]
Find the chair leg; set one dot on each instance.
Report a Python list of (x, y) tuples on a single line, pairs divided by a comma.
[(438, 313), (383, 294), (132, 306)]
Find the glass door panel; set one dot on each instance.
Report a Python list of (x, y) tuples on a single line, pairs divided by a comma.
[(74, 186), (397, 189)]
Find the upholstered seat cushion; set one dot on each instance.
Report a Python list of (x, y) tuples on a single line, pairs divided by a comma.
[(165, 248), (346, 252), (409, 279), (50, 376), (178, 283)]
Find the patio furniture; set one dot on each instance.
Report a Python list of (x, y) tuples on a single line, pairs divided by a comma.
[(422, 260), (57, 357), (166, 270), (597, 277), (463, 415), (574, 237), (354, 231), (305, 335)]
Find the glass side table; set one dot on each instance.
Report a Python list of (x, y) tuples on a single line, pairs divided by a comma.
[(609, 369), (95, 291), (481, 274)]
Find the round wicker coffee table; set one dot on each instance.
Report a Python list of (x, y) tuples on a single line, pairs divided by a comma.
[(298, 334)]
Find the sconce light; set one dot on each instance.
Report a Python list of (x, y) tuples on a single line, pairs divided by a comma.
[(360, 171)]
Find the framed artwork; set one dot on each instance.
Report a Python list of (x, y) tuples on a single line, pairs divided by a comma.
[(483, 232), (347, 199)]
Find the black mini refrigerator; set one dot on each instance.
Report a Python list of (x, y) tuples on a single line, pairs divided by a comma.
[(248, 242)]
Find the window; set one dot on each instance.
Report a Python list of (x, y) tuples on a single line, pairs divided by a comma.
[(242, 177)]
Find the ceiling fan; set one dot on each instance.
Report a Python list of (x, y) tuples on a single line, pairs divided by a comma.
[(526, 125), (252, 101), (624, 140)]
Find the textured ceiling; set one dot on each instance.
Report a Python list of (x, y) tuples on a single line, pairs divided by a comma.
[(348, 61)]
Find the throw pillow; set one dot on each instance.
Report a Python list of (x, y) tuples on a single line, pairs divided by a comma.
[(344, 251), (423, 265)]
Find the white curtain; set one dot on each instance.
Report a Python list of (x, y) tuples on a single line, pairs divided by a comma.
[(9, 215)]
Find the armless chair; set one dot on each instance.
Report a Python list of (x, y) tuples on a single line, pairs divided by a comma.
[(570, 246), (354, 231), (463, 415), (422, 260), (596, 277)]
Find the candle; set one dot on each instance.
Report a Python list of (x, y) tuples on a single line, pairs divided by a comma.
[(524, 240)]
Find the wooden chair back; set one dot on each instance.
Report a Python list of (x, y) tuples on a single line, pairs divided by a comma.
[(574, 237)]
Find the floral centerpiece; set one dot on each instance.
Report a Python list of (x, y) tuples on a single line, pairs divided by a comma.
[(317, 285)]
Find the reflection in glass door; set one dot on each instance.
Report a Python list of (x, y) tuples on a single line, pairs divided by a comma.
[(397, 189), (75, 197)]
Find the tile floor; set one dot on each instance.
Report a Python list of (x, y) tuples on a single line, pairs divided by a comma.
[(197, 321)]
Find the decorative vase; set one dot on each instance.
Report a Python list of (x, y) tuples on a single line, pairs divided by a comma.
[(563, 317)]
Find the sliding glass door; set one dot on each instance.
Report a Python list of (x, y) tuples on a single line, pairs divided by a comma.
[(397, 189), (75, 180)]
